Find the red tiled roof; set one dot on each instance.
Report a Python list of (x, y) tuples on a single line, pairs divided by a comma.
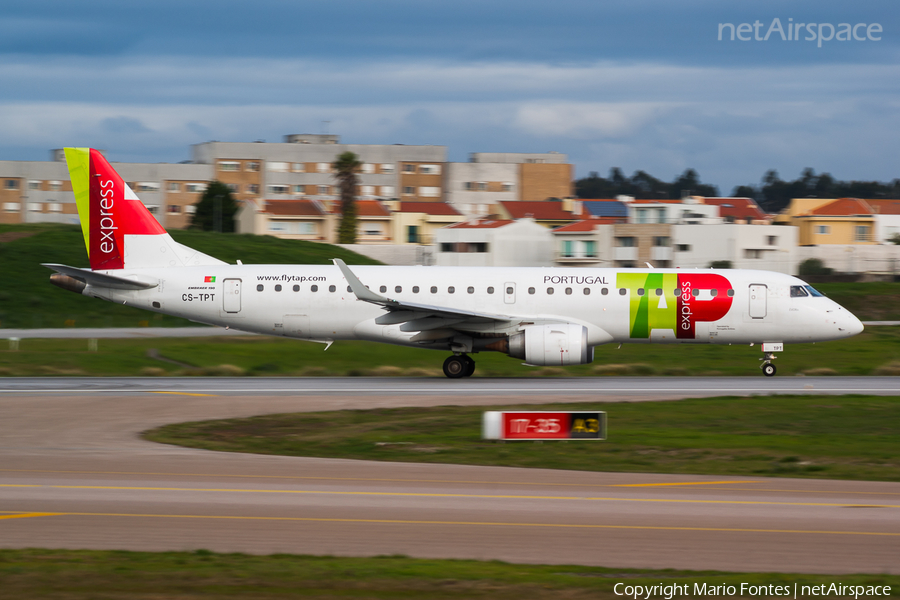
[(484, 224), (738, 208), (885, 207), (429, 208), (843, 207), (540, 210), (655, 201), (370, 208), (586, 225), (364, 208), (293, 208)]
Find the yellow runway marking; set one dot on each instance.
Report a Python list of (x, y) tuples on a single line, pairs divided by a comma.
[(183, 393), (482, 523), (438, 495), (28, 515), (447, 481), (678, 483)]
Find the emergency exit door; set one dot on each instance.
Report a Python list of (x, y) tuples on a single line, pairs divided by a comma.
[(758, 293), (231, 300)]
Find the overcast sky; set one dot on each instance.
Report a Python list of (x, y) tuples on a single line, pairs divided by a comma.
[(633, 84)]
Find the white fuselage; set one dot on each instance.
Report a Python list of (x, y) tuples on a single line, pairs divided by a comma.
[(624, 305)]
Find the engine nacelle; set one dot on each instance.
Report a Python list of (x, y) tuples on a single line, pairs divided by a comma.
[(564, 344)]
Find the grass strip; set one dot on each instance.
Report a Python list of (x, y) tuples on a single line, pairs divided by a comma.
[(874, 352), (834, 437), (65, 574)]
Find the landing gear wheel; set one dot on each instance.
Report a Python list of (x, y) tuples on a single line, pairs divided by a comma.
[(768, 369), (470, 366), (457, 366)]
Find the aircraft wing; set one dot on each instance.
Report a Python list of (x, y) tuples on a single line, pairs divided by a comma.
[(420, 317)]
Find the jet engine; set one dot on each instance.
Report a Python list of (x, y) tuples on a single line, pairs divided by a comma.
[(563, 344)]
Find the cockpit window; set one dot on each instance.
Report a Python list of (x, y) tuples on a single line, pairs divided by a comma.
[(799, 291), (813, 291)]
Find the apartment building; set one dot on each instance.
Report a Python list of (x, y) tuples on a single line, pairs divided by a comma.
[(301, 166), (40, 192), (491, 178)]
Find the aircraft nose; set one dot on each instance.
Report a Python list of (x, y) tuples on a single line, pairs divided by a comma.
[(849, 325), (855, 326)]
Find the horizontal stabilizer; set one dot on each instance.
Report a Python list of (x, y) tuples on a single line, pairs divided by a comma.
[(132, 282)]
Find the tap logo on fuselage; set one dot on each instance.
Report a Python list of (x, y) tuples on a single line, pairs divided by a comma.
[(674, 301)]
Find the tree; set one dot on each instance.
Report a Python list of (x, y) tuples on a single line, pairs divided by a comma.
[(216, 209), (345, 167), (744, 191), (689, 182), (814, 266)]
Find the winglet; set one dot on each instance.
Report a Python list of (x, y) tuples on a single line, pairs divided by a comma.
[(361, 291)]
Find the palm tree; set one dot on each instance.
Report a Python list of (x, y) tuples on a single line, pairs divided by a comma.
[(345, 167)]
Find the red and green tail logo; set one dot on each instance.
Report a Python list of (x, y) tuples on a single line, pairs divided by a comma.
[(107, 207)]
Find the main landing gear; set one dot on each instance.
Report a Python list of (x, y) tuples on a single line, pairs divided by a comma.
[(459, 365)]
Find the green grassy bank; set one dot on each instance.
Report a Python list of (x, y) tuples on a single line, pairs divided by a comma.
[(65, 574), (28, 300), (875, 352), (839, 437)]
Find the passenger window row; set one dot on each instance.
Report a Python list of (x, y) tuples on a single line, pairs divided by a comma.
[(490, 290)]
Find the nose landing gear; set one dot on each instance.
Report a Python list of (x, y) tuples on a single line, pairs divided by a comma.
[(459, 365), (770, 348), (768, 368)]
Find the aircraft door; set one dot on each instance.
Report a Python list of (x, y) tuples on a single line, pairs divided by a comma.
[(509, 293), (758, 293), (231, 300)]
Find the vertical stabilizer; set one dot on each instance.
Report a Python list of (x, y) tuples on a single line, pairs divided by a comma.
[(119, 231)]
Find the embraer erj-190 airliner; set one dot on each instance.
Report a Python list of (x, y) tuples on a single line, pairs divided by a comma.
[(543, 316)]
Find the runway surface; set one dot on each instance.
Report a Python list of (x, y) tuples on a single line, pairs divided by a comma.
[(601, 388), (74, 473)]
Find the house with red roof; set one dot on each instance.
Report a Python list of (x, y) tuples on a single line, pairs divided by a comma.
[(738, 210), (314, 220), (887, 219), (549, 213), (827, 221), (415, 222), (296, 219), (586, 242)]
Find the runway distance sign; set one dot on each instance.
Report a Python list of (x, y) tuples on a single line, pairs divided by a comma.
[(561, 425)]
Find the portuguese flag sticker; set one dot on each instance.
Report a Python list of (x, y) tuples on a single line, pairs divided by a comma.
[(209, 279)]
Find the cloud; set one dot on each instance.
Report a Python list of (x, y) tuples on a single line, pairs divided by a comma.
[(729, 123), (586, 120)]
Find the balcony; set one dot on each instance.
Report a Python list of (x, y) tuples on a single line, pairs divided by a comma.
[(625, 253), (660, 253), (577, 258)]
